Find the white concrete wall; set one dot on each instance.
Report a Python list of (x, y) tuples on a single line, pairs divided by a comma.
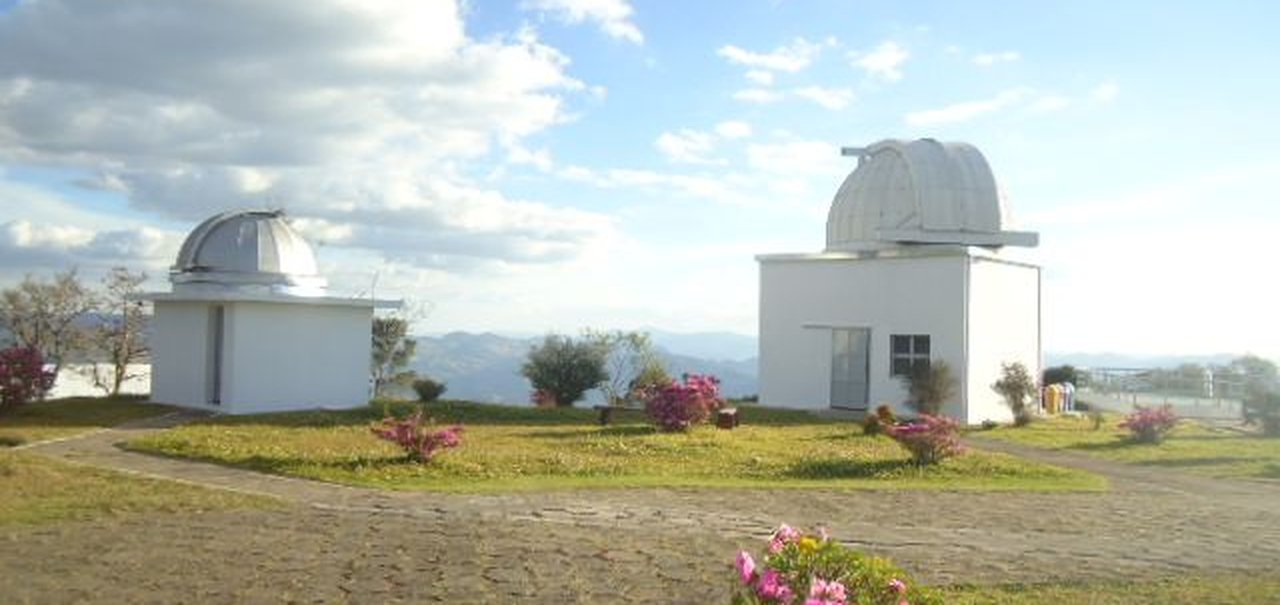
[(295, 356), (179, 349), (802, 299), (1004, 327)]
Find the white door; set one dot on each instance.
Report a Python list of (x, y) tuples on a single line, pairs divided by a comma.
[(850, 367)]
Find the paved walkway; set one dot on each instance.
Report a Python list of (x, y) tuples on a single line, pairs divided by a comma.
[(637, 545)]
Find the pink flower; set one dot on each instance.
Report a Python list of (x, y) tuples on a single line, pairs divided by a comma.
[(746, 567), (822, 592), (773, 587), (898, 586)]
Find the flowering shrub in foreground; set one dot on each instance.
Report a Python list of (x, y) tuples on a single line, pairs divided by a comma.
[(417, 437), (678, 406), (22, 376), (929, 438), (809, 569), (1150, 425)]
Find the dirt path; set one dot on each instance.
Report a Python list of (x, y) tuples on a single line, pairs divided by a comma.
[(652, 545)]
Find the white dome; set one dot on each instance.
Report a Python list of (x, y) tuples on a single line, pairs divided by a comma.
[(920, 192), (252, 249)]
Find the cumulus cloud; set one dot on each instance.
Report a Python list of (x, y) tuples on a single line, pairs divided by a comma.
[(361, 116), (989, 59), (49, 245), (884, 62), (759, 96), (733, 129), (686, 146), (968, 110), (830, 98), (792, 57), (612, 16)]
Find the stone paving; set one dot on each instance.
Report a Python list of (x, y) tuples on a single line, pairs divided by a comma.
[(350, 544)]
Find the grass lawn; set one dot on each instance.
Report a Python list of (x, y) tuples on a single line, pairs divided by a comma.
[(1191, 446), (1225, 589), (514, 448), (65, 417), (40, 490)]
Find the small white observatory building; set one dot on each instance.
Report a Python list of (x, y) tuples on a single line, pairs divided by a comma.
[(248, 327), (912, 273)]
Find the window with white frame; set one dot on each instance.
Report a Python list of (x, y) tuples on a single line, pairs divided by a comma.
[(908, 353)]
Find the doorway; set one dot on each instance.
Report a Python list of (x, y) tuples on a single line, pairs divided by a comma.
[(217, 326), (850, 368)]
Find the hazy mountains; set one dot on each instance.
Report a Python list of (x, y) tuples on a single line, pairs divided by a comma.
[(486, 367)]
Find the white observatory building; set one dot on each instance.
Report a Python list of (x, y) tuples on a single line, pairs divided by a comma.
[(249, 328), (913, 273)]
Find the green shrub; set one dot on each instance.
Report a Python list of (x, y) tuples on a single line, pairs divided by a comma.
[(1263, 408), (876, 423), (563, 369), (1018, 390), (428, 390), (930, 386), (799, 567)]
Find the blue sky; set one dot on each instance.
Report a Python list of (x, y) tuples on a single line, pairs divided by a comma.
[(553, 164)]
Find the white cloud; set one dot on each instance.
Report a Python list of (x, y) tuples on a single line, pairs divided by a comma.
[(961, 112), (760, 76), (989, 59), (359, 115), (686, 146), (792, 57), (884, 62), (791, 158), (733, 129), (612, 16), (760, 96), (1049, 103), (830, 98), (1105, 92)]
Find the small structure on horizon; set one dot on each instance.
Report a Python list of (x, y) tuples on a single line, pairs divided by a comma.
[(250, 328), (912, 274)]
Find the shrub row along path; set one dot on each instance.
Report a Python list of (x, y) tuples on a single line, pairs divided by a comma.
[(336, 543)]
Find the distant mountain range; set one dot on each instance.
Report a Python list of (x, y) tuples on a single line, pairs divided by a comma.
[(486, 367)]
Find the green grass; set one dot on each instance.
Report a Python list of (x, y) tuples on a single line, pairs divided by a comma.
[(38, 490), (1192, 446), (518, 448), (1224, 589), (65, 417)]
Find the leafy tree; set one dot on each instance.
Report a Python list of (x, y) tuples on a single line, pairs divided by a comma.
[(392, 351), (628, 357), (1018, 389), (43, 315), (564, 369), (1259, 375), (1061, 374), (930, 386), (121, 330), (22, 377), (428, 390)]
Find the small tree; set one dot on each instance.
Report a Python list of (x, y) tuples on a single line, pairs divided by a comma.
[(563, 369), (121, 330), (43, 316), (1018, 390), (1061, 374), (428, 390), (628, 357), (1264, 407), (392, 351), (930, 386), (22, 377)]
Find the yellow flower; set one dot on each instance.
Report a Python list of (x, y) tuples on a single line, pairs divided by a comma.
[(808, 544)]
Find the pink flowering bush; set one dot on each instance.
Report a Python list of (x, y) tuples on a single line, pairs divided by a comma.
[(680, 405), (1150, 425), (810, 569), (929, 438), (22, 377), (417, 436)]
